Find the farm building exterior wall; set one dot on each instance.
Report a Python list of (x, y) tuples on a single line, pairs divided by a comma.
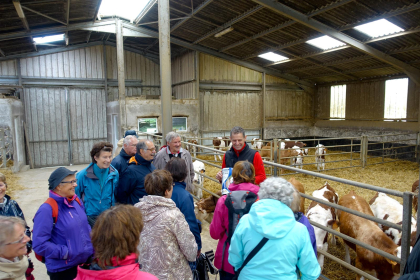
[(184, 78)]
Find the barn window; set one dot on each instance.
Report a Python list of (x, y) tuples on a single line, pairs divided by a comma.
[(179, 123), (325, 43), (148, 125), (379, 28), (338, 102), (128, 9), (396, 92)]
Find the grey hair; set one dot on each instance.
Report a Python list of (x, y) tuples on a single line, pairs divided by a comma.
[(237, 130), (170, 136), (295, 206), (128, 139), (278, 189), (7, 229), (142, 145)]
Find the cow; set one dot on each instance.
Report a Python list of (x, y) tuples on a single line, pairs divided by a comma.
[(257, 143), (415, 189), (298, 160), (367, 232), (320, 152), (388, 209), (291, 144), (324, 215), (190, 148), (282, 158), (299, 187), (199, 179), (218, 144), (204, 206)]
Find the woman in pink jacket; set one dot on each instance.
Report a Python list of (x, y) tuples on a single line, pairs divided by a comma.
[(115, 237), (243, 174)]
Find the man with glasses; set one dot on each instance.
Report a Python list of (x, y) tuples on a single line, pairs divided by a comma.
[(131, 187), (120, 162)]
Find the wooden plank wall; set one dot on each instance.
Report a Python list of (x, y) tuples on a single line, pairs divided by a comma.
[(8, 68), (183, 69), (287, 104)]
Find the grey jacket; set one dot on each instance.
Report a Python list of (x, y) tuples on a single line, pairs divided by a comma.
[(162, 158)]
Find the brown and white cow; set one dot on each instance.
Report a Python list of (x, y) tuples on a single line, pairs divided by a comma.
[(204, 206), (192, 149), (415, 189), (291, 144), (320, 152), (368, 232), (387, 208), (257, 143), (324, 215), (299, 187), (283, 158), (218, 144)]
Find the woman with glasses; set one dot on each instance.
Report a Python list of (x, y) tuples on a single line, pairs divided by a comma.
[(62, 239), (13, 240), (96, 184)]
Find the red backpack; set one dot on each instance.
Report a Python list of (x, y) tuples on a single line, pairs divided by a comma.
[(50, 201)]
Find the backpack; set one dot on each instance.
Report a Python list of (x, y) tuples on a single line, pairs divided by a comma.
[(54, 206)]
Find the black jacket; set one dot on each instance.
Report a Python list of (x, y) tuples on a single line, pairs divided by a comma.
[(412, 268), (120, 162), (246, 154)]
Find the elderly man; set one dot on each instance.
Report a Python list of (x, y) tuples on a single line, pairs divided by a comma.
[(241, 151), (173, 149), (120, 162), (131, 187), (120, 142)]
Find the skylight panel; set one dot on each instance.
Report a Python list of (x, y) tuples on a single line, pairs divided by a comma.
[(128, 9), (325, 43), (273, 56), (49, 39), (378, 28)]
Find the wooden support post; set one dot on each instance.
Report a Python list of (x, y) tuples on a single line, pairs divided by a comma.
[(121, 76)]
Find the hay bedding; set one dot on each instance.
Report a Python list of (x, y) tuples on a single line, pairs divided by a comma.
[(12, 180), (398, 175)]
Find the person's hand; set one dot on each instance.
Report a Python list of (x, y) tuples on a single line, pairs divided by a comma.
[(219, 176), (198, 253)]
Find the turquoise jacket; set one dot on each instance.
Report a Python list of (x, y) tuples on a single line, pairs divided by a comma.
[(289, 244)]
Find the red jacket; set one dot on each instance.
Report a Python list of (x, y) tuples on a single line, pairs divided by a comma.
[(126, 269), (220, 224)]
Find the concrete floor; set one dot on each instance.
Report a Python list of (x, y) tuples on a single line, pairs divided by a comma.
[(35, 193)]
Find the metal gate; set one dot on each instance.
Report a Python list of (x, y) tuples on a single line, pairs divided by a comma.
[(63, 124)]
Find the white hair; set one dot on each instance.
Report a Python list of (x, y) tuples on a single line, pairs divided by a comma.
[(128, 139), (278, 189), (170, 136), (7, 229)]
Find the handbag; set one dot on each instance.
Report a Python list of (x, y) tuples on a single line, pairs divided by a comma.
[(250, 256), (204, 265)]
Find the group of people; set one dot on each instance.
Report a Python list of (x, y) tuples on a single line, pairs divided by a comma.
[(132, 217)]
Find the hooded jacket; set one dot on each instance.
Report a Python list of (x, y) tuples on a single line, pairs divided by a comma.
[(120, 162), (126, 269), (67, 243), (166, 242), (184, 201), (162, 159), (131, 187), (15, 270), (220, 224), (96, 199), (11, 208), (288, 246)]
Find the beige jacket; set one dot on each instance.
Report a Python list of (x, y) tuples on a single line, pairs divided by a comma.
[(162, 159), (166, 242), (15, 270)]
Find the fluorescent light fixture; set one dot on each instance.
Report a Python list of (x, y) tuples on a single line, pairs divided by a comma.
[(325, 42), (273, 56), (378, 28), (48, 39), (223, 32), (128, 9)]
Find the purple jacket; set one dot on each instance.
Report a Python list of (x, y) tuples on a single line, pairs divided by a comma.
[(66, 244), (304, 221)]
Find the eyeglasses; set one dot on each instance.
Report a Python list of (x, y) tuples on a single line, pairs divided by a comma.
[(69, 182), (152, 150), (19, 241)]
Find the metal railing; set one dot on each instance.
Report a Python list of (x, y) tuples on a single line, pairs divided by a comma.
[(6, 146)]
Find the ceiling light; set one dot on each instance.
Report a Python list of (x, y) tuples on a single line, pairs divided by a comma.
[(128, 9), (378, 28), (48, 39), (325, 42), (223, 32), (273, 56)]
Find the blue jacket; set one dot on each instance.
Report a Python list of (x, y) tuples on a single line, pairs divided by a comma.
[(184, 201), (288, 246), (95, 198), (120, 162), (67, 243), (132, 180)]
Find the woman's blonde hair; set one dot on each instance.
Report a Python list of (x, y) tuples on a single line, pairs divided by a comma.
[(3, 179), (243, 172)]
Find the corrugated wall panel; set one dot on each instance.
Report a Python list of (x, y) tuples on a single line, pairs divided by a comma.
[(413, 100), (323, 104), (8, 68), (184, 91), (224, 110), (216, 69), (183, 69), (288, 103), (365, 100)]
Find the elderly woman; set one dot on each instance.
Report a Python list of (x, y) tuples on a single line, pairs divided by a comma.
[(166, 243), (288, 245), (13, 239), (116, 250), (243, 174), (173, 149), (63, 239), (97, 183)]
